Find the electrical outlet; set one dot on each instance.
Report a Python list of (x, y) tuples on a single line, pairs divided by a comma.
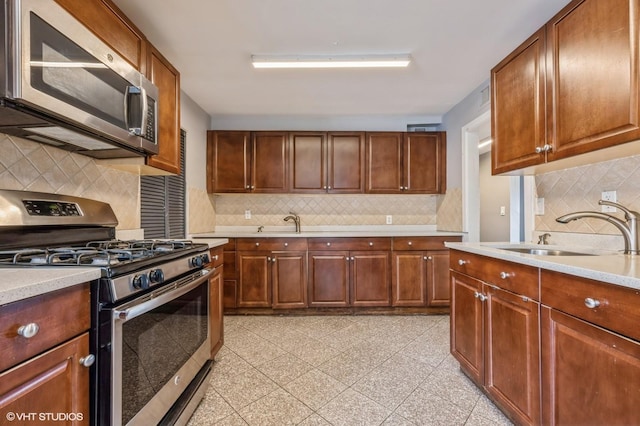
[(609, 196), (247, 214), (503, 210), (389, 219)]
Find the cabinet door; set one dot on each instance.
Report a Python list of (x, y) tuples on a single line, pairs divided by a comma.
[(254, 290), (370, 278), (512, 339), (518, 107), (167, 78), (592, 76), (269, 162), (108, 22), (289, 280), (438, 289), (215, 307), (409, 279), (308, 162), (345, 152), (466, 325), (229, 159), (329, 279), (424, 163), (591, 376), (54, 382), (230, 279), (384, 163)]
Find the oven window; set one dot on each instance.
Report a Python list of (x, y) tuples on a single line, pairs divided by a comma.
[(157, 343)]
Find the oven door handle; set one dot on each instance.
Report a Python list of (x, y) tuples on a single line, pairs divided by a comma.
[(159, 297)]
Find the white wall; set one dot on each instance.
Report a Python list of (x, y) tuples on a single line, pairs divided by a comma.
[(494, 193), (460, 115), (196, 122), (321, 122)]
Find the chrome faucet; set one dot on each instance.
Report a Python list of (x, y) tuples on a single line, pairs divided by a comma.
[(544, 238), (628, 227), (296, 220)]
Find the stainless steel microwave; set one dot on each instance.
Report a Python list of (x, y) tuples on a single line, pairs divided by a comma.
[(61, 85)]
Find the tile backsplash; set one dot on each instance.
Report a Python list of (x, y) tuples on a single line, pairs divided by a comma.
[(31, 166), (580, 188), (325, 210)]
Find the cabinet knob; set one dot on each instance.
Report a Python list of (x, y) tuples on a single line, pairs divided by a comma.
[(29, 330), (425, 258), (273, 260), (462, 262), (544, 148), (353, 258), (257, 244), (480, 296), (429, 257), (370, 244), (87, 361), (248, 187), (328, 244), (329, 187), (505, 275), (591, 303), (324, 187), (253, 187), (410, 243), (286, 244)]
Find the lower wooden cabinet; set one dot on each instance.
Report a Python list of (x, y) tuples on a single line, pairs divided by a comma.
[(591, 375), (329, 279), (495, 337), (44, 375), (52, 384), (254, 289), (420, 278), (370, 274), (289, 280)]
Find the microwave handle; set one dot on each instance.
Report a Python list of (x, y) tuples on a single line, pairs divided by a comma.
[(130, 91)]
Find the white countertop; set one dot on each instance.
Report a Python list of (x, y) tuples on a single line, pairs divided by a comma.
[(21, 283), (326, 232), (607, 266)]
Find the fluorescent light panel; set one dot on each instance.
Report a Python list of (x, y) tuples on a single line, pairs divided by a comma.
[(330, 61)]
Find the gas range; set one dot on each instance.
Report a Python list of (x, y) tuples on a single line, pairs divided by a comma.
[(149, 310)]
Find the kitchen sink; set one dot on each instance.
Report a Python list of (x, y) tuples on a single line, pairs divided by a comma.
[(546, 252)]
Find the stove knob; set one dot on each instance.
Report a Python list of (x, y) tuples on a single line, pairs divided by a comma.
[(205, 258), (156, 276), (197, 262), (140, 282)]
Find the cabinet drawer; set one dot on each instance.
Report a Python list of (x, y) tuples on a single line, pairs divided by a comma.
[(618, 310), (216, 256), (422, 243), (520, 279), (375, 243), (60, 315), (271, 244)]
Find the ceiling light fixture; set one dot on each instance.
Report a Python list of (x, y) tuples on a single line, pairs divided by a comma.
[(330, 61)]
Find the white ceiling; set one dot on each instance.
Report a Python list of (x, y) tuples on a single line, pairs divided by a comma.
[(454, 45)]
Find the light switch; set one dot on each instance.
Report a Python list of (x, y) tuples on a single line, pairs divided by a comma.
[(247, 214), (503, 210)]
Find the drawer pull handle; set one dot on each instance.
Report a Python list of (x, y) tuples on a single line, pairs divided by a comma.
[(505, 275), (462, 262), (29, 330), (87, 361), (591, 303)]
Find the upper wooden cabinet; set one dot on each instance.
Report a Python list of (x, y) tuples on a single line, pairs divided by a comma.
[(167, 79), (110, 24), (247, 161), (572, 88), (326, 162), (518, 107), (406, 163)]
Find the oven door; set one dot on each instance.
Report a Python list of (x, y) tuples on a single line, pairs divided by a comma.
[(160, 341)]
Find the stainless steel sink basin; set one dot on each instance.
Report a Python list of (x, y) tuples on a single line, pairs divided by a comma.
[(546, 252)]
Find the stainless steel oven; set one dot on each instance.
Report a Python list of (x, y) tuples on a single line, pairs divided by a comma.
[(150, 326), (60, 84), (160, 343)]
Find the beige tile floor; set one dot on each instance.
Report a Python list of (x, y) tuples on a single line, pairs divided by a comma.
[(340, 370)]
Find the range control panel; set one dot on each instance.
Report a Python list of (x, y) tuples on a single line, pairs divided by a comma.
[(51, 208)]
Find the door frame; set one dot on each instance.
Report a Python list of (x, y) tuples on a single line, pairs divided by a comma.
[(522, 189)]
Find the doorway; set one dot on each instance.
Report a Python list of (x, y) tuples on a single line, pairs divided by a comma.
[(516, 203)]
